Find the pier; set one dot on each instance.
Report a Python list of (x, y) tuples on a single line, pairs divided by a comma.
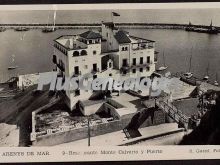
[(97, 25)]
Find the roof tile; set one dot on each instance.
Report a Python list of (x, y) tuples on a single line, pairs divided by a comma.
[(90, 35), (121, 37)]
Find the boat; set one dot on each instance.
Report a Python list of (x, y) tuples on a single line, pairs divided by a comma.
[(13, 66), (22, 29), (209, 29), (206, 77), (2, 29), (48, 29), (189, 74), (164, 67), (216, 83), (189, 27), (216, 80), (212, 29)]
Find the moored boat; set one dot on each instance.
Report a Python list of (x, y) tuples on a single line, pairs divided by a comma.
[(22, 29), (216, 80), (12, 67), (209, 29), (2, 29), (189, 74), (48, 30), (164, 67), (206, 77)]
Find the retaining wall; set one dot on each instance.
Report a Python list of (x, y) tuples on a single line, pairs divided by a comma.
[(95, 130)]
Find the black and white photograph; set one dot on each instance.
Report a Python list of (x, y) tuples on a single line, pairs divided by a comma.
[(87, 77)]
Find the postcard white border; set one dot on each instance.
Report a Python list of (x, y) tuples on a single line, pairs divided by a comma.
[(118, 6), (56, 153)]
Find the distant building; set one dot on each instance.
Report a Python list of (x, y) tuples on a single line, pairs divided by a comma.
[(112, 52)]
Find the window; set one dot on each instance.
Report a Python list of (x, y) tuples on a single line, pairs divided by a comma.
[(148, 59), (94, 52), (76, 70), (133, 70), (110, 65), (75, 53), (110, 74), (94, 67), (141, 60), (90, 41), (124, 62), (124, 48), (148, 68), (141, 69), (134, 61), (83, 52), (54, 59)]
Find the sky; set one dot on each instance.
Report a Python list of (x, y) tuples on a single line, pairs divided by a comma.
[(196, 16)]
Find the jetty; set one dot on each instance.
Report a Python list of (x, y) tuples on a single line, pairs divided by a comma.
[(205, 28)]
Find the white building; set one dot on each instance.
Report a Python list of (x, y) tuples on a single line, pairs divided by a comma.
[(112, 52)]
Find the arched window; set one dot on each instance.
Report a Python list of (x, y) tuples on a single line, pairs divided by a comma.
[(75, 53), (123, 49), (94, 52), (110, 65), (126, 48), (83, 52)]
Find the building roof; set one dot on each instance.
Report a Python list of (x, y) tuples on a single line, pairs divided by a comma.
[(90, 35), (122, 37)]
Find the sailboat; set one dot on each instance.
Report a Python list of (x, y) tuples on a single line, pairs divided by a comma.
[(164, 67), (13, 66), (50, 29), (189, 27), (212, 29), (206, 77), (189, 74), (216, 80)]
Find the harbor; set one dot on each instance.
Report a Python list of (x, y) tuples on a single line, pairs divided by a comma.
[(186, 57)]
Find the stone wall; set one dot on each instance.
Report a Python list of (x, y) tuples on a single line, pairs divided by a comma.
[(95, 130)]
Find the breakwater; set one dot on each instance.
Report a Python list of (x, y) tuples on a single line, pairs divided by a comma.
[(97, 25)]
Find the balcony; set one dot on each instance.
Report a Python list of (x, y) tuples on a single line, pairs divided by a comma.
[(140, 65), (127, 68), (142, 46)]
